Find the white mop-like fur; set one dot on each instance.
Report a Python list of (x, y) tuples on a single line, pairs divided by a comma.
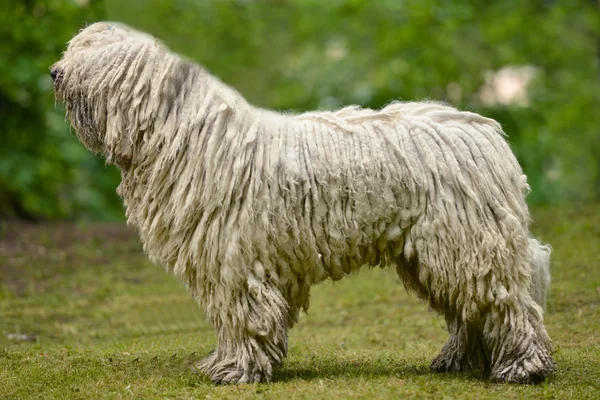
[(251, 208)]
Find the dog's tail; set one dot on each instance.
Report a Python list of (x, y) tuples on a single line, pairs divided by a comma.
[(540, 271)]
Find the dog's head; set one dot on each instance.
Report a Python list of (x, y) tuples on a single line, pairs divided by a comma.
[(109, 80)]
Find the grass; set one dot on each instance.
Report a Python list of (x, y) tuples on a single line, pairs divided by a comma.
[(83, 315)]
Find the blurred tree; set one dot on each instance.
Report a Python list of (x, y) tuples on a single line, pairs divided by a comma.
[(43, 170), (531, 64)]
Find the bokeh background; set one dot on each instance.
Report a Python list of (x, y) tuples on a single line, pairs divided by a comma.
[(531, 64), (83, 315)]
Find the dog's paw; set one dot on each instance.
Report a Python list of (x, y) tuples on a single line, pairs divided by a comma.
[(225, 377), (452, 357), (228, 372), (529, 370), (445, 362)]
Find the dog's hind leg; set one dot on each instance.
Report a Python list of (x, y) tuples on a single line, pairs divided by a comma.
[(514, 325), (518, 341), (464, 350), (504, 333), (252, 324)]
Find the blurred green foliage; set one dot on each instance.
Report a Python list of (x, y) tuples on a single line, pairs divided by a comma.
[(304, 54), (44, 171)]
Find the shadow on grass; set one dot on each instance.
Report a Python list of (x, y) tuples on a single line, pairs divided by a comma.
[(305, 370), (332, 369)]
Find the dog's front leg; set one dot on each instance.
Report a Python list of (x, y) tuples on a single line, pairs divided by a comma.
[(252, 323)]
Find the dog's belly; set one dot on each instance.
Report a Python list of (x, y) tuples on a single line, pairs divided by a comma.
[(336, 231)]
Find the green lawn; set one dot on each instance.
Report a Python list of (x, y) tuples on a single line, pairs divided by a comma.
[(84, 315)]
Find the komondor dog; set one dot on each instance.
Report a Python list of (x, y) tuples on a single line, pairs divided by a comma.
[(250, 208)]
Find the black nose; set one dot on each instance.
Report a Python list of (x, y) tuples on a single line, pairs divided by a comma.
[(54, 73)]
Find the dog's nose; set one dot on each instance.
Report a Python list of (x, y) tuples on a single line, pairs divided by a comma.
[(54, 73)]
